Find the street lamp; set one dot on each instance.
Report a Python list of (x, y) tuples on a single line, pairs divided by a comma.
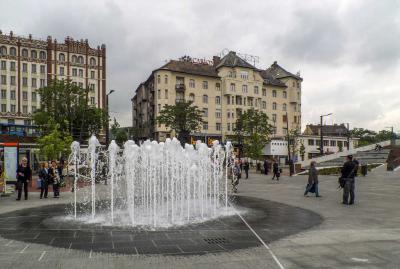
[(321, 146), (108, 120)]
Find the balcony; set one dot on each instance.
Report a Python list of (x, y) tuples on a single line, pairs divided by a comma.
[(180, 87)]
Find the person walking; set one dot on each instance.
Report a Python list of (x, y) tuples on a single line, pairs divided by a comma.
[(312, 185), (44, 177), (246, 167), (266, 164), (24, 174), (349, 170), (55, 178), (237, 174), (275, 170)]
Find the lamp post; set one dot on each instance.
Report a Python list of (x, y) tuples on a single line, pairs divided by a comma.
[(108, 120), (348, 136), (321, 146)]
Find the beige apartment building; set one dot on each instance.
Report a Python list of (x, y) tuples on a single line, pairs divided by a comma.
[(28, 64), (222, 89)]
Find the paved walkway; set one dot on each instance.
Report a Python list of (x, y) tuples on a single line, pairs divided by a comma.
[(366, 235)]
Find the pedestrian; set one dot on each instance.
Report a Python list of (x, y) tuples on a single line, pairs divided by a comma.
[(44, 177), (312, 184), (266, 164), (349, 170), (237, 174), (259, 167), (246, 168), (24, 174), (275, 170), (55, 178)]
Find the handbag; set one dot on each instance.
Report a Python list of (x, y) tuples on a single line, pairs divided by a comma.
[(342, 182)]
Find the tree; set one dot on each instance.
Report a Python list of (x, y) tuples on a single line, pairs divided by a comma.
[(118, 133), (55, 143), (256, 130), (67, 105), (293, 136), (182, 117), (302, 150), (368, 137)]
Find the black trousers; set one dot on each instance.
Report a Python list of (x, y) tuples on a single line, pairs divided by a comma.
[(56, 189), (348, 189), (247, 173), (277, 175), (23, 184), (44, 189)]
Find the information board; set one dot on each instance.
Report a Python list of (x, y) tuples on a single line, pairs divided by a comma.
[(10, 162)]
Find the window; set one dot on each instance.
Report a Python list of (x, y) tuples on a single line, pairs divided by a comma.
[(11, 121), (74, 72), (166, 79), (274, 93), (294, 84), (299, 108), (274, 106), (159, 108), (205, 99), (284, 131), (61, 71), (191, 97), (33, 54), (33, 109), (3, 94), (284, 118), (217, 100), (61, 57), (92, 74), (80, 85), (42, 83), (34, 68), (34, 96), (274, 117), (12, 66), (298, 95), (74, 59), (158, 79), (13, 51), (3, 107), (205, 112), (311, 142), (92, 61), (284, 107), (250, 102), (25, 53), (264, 92), (264, 104), (192, 84), (92, 100), (244, 88), (42, 55), (218, 114), (25, 82), (228, 126), (205, 85), (81, 73), (233, 115), (255, 89), (166, 94), (3, 65), (295, 119), (12, 95), (3, 80), (25, 68), (232, 87), (205, 126), (92, 87), (326, 143), (80, 60), (42, 69), (25, 109), (12, 108), (34, 84), (3, 51), (159, 94), (218, 126), (333, 143), (244, 75), (228, 100), (217, 86), (284, 93), (25, 95)]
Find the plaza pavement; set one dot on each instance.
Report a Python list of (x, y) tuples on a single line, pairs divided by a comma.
[(365, 235)]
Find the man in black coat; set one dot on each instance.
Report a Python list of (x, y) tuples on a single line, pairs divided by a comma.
[(24, 174), (266, 166), (349, 170)]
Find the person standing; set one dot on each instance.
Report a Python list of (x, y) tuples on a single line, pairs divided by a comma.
[(275, 170), (44, 177), (55, 178), (349, 170), (312, 185), (266, 164), (24, 175), (246, 167), (237, 174)]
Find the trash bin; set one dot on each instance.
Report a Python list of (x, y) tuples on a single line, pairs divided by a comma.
[(364, 170)]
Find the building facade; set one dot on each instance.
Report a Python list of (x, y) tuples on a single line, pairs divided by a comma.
[(28, 64), (223, 89)]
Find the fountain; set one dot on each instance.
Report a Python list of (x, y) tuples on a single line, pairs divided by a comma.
[(152, 184)]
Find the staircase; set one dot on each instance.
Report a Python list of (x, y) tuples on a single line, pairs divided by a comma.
[(364, 157)]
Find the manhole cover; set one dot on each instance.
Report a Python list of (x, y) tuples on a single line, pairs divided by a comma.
[(219, 240)]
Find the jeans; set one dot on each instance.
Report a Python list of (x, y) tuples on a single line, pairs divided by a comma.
[(348, 189), (44, 189)]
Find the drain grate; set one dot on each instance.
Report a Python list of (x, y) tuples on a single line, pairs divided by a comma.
[(218, 240)]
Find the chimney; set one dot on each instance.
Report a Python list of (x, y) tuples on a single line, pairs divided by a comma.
[(216, 60)]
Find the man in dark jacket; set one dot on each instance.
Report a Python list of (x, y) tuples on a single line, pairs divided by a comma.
[(349, 170), (266, 164), (24, 174), (246, 168)]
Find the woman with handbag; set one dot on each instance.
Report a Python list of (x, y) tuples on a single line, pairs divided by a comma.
[(312, 185)]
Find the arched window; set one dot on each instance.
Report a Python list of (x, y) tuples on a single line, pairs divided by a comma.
[(166, 79), (191, 97), (13, 51), (284, 107), (33, 54), (218, 100), (25, 53), (80, 60), (158, 79), (205, 99), (284, 93), (74, 59), (3, 51), (274, 106), (61, 57), (274, 93), (92, 61), (42, 55)]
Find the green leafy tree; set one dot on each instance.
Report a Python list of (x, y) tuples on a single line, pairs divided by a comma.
[(54, 144), (183, 118), (256, 130), (119, 134), (368, 137), (302, 150), (67, 105), (293, 137)]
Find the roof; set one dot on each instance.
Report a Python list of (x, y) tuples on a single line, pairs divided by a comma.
[(328, 130), (190, 68), (276, 71), (270, 80), (232, 60)]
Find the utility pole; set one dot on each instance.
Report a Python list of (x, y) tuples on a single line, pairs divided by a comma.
[(108, 120), (348, 136), (321, 146)]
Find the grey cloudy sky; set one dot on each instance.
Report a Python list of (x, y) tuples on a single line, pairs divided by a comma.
[(348, 52)]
